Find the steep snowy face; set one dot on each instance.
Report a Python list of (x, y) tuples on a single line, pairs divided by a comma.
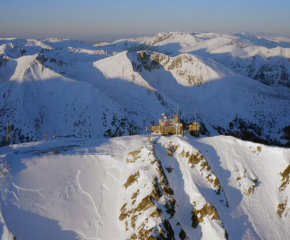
[(123, 69), (186, 69), (265, 59), (157, 208), (64, 87), (145, 187), (29, 68)]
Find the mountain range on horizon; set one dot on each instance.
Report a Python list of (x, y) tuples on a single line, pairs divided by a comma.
[(238, 83), (99, 175)]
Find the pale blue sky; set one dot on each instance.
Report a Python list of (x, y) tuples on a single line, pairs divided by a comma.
[(108, 20)]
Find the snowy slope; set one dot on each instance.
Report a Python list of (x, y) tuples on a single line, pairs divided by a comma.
[(216, 187), (264, 58), (126, 188), (64, 87)]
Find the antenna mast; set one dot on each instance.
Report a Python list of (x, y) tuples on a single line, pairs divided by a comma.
[(195, 115), (7, 133), (8, 136)]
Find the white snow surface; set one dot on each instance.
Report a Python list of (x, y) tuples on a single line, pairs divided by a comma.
[(68, 188), (93, 187), (65, 87), (264, 58)]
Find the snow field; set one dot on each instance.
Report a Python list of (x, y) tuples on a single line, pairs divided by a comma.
[(124, 187)]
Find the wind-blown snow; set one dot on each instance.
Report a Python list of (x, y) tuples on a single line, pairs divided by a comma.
[(210, 188)]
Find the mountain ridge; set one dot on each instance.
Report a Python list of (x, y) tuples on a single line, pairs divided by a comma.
[(126, 90), (172, 188)]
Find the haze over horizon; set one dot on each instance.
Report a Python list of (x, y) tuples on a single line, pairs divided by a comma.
[(98, 21)]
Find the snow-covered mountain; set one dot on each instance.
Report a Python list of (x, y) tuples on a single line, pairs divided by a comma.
[(65, 88), (92, 186), (128, 188), (263, 58)]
